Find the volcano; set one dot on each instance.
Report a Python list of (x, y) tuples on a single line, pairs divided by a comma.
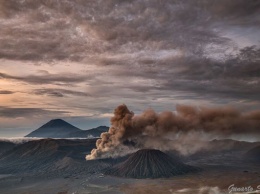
[(58, 128), (150, 163)]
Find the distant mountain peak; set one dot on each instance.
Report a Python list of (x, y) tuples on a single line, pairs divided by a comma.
[(58, 128), (57, 120)]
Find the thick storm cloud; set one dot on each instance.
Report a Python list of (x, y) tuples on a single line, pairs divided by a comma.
[(145, 53)]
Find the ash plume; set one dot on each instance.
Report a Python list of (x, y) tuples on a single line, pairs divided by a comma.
[(183, 130)]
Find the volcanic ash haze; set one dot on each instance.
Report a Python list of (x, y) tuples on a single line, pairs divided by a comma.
[(129, 132)]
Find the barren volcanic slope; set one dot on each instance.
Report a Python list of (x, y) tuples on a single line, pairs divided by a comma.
[(42, 155), (253, 154), (149, 163), (56, 128), (5, 146)]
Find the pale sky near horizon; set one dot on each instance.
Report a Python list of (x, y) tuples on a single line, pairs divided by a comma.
[(79, 60)]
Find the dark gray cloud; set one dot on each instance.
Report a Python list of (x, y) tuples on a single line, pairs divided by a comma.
[(6, 92), (236, 77), (29, 112), (57, 92), (236, 12), (47, 78), (138, 52), (75, 30)]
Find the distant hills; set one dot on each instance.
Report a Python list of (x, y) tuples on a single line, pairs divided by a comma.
[(66, 158), (58, 128), (48, 155)]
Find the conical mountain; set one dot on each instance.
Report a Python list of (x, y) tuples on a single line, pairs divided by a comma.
[(56, 128), (150, 163)]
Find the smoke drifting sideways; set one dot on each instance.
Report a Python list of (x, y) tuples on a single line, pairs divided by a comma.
[(183, 130)]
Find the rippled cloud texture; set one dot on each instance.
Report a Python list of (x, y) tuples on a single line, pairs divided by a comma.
[(80, 59)]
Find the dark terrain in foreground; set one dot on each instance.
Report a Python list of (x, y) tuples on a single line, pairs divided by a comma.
[(59, 166)]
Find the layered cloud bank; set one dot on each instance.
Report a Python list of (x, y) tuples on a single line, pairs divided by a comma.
[(171, 130), (82, 58), (74, 30)]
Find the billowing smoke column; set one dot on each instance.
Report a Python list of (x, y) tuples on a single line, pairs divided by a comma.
[(171, 130)]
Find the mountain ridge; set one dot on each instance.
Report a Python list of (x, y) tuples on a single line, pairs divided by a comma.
[(58, 128)]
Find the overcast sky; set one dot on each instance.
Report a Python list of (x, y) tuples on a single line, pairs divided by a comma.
[(78, 60)]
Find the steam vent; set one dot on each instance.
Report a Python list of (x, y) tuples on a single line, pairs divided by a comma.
[(150, 163)]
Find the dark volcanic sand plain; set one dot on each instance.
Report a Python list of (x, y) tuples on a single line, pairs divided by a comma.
[(69, 174)]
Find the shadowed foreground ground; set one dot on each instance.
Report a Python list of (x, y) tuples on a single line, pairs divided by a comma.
[(69, 174)]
